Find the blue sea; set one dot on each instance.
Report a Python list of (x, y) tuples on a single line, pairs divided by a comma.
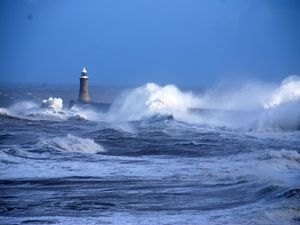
[(160, 155)]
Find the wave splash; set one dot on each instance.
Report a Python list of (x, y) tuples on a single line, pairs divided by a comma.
[(151, 100), (289, 91), (282, 109), (250, 106), (76, 144), (54, 104), (49, 109)]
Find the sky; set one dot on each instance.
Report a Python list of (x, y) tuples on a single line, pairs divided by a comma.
[(132, 42)]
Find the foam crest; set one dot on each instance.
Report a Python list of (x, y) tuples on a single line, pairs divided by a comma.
[(49, 109), (255, 105), (3, 112), (169, 97), (76, 144), (84, 113), (152, 99), (249, 106), (288, 91), (54, 104)]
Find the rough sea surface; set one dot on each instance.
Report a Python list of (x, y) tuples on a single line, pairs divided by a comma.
[(147, 161)]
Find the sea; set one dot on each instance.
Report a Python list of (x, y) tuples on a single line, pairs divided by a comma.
[(160, 155)]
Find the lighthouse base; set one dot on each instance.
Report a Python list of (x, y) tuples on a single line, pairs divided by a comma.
[(99, 106)]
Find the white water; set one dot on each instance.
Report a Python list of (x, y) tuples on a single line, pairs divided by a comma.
[(76, 144), (289, 91), (49, 109), (152, 99), (54, 104), (256, 106)]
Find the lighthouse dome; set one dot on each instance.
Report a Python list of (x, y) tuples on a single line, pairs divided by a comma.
[(84, 73)]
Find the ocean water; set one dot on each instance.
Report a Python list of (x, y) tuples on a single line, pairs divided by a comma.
[(154, 158)]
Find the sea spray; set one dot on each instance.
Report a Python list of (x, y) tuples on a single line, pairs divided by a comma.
[(152, 99), (85, 113), (235, 176), (23, 106), (250, 106), (54, 104), (48, 109), (247, 96), (289, 91)]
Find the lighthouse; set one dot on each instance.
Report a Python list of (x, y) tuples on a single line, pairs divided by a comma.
[(84, 96), (84, 99)]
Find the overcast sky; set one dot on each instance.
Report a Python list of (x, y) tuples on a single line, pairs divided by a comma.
[(131, 42)]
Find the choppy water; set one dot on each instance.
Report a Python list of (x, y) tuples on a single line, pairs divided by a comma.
[(131, 166)]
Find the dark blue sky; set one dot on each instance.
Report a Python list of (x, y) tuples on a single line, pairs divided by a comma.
[(131, 42)]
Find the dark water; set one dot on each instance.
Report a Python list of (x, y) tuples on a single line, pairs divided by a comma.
[(73, 166)]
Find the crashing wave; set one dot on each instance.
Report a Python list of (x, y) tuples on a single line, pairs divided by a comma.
[(152, 99), (84, 113), (3, 112), (50, 109), (54, 104), (288, 91), (76, 144), (168, 97), (254, 106)]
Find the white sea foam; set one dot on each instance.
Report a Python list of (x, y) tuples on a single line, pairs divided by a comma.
[(255, 106), (77, 144), (152, 99), (50, 109), (289, 91), (54, 104), (3, 111), (249, 106), (84, 113), (168, 97), (23, 106)]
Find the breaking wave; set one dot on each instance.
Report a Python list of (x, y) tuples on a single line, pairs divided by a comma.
[(179, 146), (151, 100), (281, 110), (289, 91), (249, 106), (49, 109), (54, 104), (76, 144)]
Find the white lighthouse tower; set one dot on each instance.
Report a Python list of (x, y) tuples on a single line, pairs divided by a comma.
[(84, 96)]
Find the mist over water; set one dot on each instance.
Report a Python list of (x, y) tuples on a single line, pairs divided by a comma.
[(160, 155)]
